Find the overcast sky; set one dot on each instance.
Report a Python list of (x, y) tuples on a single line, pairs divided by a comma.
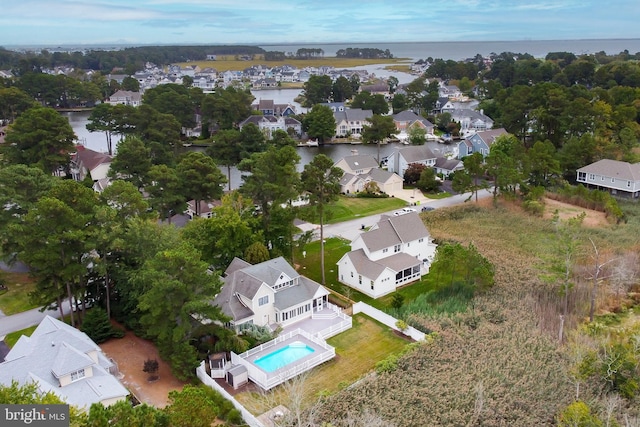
[(58, 22)]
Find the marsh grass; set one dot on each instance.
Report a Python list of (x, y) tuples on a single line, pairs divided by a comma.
[(498, 362)]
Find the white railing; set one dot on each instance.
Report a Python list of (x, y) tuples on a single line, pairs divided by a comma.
[(249, 418), (268, 381), (386, 319), (332, 330)]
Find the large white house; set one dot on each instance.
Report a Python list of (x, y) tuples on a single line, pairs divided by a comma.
[(60, 359), (395, 251), (269, 294)]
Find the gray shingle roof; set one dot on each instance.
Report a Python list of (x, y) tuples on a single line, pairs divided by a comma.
[(614, 169), (56, 349), (416, 153), (361, 161), (352, 115), (393, 230)]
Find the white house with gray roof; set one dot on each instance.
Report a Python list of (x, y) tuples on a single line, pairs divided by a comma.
[(351, 121), (362, 169), (618, 178), (401, 158), (396, 251), (269, 294), (60, 359)]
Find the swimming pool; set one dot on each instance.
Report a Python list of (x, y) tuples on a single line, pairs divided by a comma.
[(284, 356)]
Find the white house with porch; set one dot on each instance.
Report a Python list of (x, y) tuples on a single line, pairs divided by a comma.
[(396, 251), (268, 294)]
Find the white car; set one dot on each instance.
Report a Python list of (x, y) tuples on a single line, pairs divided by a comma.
[(408, 210)]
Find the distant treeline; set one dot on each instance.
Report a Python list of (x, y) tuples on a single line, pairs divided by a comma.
[(365, 53), (131, 59)]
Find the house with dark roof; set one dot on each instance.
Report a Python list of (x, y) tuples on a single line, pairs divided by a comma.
[(269, 108), (616, 177), (479, 142), (60, 359), (402, 157), (396, 251), (270, 293), (87, 162)]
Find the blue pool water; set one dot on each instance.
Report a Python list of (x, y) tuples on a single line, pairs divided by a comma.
[(284, 356)]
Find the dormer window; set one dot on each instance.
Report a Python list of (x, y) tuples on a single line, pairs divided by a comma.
[(77, 375)]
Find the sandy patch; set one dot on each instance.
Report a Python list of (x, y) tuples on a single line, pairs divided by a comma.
[(565, 210), (130, 352)]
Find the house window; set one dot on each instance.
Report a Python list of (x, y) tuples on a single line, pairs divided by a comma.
[(628, 183), (352, 274), (76, 375), (602, 178), (592, 176), (359, 279), (420, 240), (372, 285), (385, 250), (396, 248), (613, 180), (263, 300)]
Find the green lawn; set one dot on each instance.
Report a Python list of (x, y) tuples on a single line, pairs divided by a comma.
[(347, 208), (335, 248), (357, 351), (16, 299), (441, 195), (13, 337)]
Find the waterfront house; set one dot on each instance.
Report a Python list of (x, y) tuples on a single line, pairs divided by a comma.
[(401, 158), (407, 120), (87, 162), (362, 169), (479, 142), (269, 124), (351, 121), (126, 97)]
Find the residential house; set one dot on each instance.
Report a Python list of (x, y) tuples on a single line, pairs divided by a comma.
[(396, 251), (401, 158), (335, 106), (351, 121), (269, 108), (126, 97), (265, 84), (471, 120), (64, 361), (360, 170), (479, 142), (357, 164), (269, 294), (205, 208), (379, 88), (269, 124), (445, 166), (87, 162), (616, 177), (407, 120), (449, 91)]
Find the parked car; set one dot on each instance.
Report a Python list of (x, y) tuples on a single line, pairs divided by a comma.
[(408, 210), (427, 208)]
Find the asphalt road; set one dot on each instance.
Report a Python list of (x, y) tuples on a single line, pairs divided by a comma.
[(351, 229), (25, 319)]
